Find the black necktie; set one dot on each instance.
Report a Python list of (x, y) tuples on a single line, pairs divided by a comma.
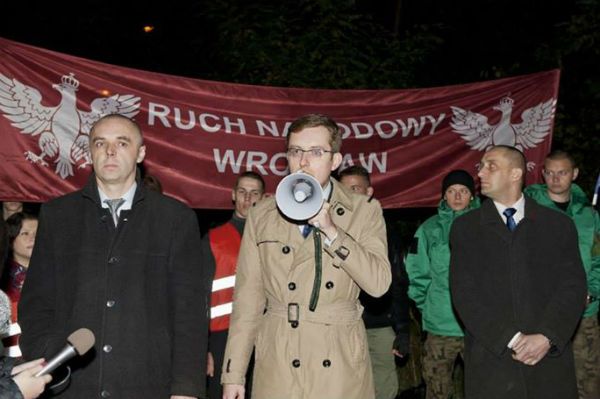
[(510, 220)]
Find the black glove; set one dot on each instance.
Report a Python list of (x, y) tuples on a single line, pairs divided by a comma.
[(402, 343)]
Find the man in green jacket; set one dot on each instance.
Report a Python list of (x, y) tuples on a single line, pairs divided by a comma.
[(427, 264), (561, 194)]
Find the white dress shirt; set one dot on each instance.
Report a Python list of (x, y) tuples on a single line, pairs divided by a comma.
[(128, 197), (519, 206)]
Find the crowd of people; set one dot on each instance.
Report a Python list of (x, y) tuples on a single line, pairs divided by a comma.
[(269, 307)]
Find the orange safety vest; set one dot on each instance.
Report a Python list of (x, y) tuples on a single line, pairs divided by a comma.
[(225, 246)]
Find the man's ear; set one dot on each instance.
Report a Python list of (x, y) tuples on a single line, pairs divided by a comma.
[(141, 154), (336, 161), (575, 173), (517, 174), (370, 191)]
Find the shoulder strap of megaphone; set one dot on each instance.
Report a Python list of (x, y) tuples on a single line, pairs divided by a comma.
[(314, 296)]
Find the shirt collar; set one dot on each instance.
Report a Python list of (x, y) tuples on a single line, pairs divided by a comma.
[(519, 206), (327, 190), (128, 197)]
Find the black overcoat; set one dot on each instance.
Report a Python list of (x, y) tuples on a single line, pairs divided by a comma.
[(140, 288), (530, 280)]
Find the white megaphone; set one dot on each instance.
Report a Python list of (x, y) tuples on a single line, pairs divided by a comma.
[(299, 196)]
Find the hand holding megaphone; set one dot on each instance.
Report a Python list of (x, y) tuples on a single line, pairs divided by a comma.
[(299, 196)]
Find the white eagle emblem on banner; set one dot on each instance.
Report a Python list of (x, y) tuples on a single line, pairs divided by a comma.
[(480, 135), (63, 130)]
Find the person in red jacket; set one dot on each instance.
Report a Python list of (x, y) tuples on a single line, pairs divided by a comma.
[(221, 247)]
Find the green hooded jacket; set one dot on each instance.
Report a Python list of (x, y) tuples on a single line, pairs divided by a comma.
[(428, 265), (587, 223)]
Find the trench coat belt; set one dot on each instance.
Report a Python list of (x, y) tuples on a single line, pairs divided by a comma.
[(335, 313)]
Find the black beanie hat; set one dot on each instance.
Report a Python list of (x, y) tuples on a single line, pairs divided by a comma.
[(458, 176)]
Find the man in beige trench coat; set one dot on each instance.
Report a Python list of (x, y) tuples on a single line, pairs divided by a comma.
[(296, 298)]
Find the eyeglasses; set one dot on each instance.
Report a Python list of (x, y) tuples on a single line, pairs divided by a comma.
[(560, 173), (311, 153)]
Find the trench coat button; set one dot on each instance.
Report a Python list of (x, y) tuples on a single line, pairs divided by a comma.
[(340, 211), (110, 303), (105, 394), (329, 285), (107, 348), (296, 363), (326, 363), (103, 218), (285, 250), (113, 260), (292, 286), (294, 324)]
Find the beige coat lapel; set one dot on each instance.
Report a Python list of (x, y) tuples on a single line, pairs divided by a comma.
[(304, 248), (341, 206)]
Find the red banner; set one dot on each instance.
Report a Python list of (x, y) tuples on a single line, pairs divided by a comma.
[(200, 134)]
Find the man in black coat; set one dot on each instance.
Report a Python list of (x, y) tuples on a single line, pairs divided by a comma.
[(386, 318), (518, 286), (124, 262)]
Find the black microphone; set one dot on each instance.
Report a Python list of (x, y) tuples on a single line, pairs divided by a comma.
[(78, 343)]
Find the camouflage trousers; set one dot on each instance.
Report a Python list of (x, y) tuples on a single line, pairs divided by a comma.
[(586, 350), (439, 357)]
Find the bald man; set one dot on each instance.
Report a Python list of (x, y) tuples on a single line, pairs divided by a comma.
[(125, 262), (518, 285)]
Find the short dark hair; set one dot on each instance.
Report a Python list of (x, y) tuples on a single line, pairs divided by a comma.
[(515, 157), (560, 154), (355, 170), (133, 123), (14, 224), (252, 175), (315, 120)]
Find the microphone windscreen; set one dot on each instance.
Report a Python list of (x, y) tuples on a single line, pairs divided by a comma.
[(82, 340), (4, 313)]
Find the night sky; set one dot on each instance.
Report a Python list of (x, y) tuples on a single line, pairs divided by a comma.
[(478, 36)]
